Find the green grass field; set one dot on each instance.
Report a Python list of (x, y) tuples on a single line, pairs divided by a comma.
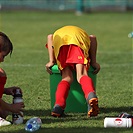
[(26, 67)]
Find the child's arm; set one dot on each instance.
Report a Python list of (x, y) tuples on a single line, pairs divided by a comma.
[(51, 54), (92, 54), (11, 90)]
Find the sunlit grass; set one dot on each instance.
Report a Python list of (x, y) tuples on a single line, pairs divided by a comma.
[(28, 32)]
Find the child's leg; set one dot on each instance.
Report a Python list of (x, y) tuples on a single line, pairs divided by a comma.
[(62, 92), (88, 89), (87, 85), (83, 79), (3, 113)]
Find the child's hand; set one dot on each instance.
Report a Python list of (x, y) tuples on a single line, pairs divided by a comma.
[(96, 67), (11, 90), (17, 108), (48, 67)]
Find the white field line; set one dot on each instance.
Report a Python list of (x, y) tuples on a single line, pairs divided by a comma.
[(43, 65), (23, 65), (117, 65), (103, 65), (115, 52)]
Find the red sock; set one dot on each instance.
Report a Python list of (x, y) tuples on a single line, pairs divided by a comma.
[(62, 93), (2, 84), (87, 85)]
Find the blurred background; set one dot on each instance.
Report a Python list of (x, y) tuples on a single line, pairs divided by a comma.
[(68, 5)]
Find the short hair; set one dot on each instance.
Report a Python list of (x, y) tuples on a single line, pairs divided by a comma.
[(5, 43)]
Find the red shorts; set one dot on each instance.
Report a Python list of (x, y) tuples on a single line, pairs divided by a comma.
[(70, 55)]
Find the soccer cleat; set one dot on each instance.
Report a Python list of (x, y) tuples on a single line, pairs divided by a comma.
[(57, 111), (93, 109), (4, 122), (125, 115)]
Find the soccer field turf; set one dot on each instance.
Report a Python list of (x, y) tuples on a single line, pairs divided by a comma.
[(28, 31)]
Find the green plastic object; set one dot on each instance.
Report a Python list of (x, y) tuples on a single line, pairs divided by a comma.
[(76, 101)]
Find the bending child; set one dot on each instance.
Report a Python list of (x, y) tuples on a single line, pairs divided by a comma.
[(73, 49), (6, 47)]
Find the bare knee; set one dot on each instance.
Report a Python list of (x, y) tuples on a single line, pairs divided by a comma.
[(2, 73), (79, 77), (3, 113), (68, 78), (81, 71)]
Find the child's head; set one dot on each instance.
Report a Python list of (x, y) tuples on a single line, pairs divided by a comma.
[(6, 46)]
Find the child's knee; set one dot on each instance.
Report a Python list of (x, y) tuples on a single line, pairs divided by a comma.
[(71, 80), (68, 79), (2, 73), (78, 79)]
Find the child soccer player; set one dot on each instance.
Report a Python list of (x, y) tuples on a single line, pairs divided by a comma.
[(73, 49), (6, 47)]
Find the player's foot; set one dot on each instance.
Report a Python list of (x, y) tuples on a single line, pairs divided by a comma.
[(93, 109), (4, 122), (125, 115), (57, 111)]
